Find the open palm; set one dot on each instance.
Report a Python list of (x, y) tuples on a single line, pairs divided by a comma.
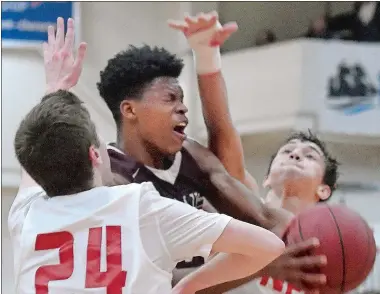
[(62, 69), (203, 22)]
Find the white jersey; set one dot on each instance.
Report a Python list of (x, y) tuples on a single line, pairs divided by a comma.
[(266, 285), (109, 240)]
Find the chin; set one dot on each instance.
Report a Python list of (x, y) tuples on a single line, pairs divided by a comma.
[(174, 149), (171, 149)]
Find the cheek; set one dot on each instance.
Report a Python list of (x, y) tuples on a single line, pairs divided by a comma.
[(155, 117), (315, 169)]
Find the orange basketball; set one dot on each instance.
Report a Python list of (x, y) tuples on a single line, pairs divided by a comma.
[(346, 240)]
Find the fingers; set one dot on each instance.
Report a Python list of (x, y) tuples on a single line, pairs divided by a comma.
[(78, 63), (190, 20), (69, 39), (309, 262), (59, 40), (178, 25), (45, 49), (51, 36), (308, 282), (223, 34), (302, 247)]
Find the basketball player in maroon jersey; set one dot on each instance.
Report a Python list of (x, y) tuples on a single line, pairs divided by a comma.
[(140, 87)]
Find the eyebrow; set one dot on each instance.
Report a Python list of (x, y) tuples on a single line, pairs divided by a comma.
[(311, 147)]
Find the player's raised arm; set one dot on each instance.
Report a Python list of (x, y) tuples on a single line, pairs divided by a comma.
[(205, 35), (62, 69)]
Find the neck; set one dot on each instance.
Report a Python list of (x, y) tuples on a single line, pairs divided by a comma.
[(290, 200), (142, 151)]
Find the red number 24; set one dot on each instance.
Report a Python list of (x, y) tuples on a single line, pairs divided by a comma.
[(114, 278)]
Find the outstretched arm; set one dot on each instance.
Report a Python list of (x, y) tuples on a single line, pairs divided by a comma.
[(205, 36), (234, 198), (61, 69)]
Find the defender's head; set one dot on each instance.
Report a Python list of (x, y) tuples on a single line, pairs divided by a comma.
[(141, 89), (57, 145), (304, 166)]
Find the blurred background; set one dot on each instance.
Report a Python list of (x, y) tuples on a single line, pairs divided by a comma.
[(291, 66)]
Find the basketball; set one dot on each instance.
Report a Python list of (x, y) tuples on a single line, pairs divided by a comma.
[(346, 240)]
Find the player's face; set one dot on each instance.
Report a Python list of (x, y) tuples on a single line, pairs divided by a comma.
[(298, 162), (160, 116)]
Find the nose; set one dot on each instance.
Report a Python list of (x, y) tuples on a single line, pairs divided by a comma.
[(295, 155), (181, 108)]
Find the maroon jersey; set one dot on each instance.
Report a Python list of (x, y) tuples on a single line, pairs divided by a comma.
[(183, 180)]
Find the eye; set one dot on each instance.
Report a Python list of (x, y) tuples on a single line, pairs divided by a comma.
[(286, 151), (310, 156), (172, 97)]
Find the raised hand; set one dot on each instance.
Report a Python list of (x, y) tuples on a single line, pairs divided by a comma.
[(203, 22), (62, 69)]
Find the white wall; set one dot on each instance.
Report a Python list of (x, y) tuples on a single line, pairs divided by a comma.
[(286, 19)]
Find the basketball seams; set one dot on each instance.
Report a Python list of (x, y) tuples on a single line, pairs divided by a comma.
[(342, 249), (300, 229)]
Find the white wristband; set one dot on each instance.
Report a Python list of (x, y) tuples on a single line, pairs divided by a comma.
[(207, 59)]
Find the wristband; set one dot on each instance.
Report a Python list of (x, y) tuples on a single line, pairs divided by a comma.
[(207, 59)]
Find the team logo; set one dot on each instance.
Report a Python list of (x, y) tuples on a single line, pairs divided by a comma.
[(194, 199), (351, 90)]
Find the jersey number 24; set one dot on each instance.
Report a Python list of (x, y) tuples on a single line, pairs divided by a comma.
[(113, 278)]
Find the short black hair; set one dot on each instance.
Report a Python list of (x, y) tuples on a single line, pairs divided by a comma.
[(53, 141), (331, 164), (129, 72)]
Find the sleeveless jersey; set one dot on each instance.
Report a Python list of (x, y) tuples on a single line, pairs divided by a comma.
[(83, 243), (183, 181)]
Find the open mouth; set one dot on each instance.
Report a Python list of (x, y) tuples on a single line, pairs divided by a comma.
[(180, 129)]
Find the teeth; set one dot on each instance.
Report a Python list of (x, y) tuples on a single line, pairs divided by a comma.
[(182, 124)]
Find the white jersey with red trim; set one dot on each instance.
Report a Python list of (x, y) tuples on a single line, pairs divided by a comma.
[(266, 285), (107, 240), (78, 244)]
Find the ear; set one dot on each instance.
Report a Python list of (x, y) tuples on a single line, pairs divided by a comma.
[(94, 155), (323, 192), (128, 109)]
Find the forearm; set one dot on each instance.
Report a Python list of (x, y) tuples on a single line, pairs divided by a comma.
[(214, 272), (231, 197), (236, 200), (223, 139), (213, 94)]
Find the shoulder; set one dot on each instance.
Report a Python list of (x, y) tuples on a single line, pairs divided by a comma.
[(20, 206), (122, 163)]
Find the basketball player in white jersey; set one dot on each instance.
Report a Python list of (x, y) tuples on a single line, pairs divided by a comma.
[(71, 234), (302, 173)]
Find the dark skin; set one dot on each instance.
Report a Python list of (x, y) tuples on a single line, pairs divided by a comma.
[(147, 134), (148, 123)]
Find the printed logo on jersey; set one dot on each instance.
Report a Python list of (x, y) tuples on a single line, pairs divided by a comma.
[(279, 286), (194, 199)]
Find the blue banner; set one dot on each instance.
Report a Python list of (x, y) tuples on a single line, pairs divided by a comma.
[(27, 22)]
